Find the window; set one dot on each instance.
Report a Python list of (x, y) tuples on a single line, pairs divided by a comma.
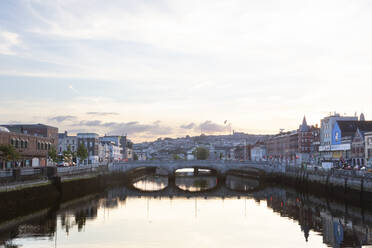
[(38, 146), (26, 144), (22, 144), (16, 143)]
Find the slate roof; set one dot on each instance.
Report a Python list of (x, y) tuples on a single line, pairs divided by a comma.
[(348, 128)]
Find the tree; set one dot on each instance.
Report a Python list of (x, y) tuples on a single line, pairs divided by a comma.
[(176, 157), (129, 144), (135, 156), (53, 154), (82, 152), (201, 153), (68, 155), (8, 153)]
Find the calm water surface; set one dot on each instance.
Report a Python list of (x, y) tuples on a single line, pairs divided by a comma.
[(132, 217)]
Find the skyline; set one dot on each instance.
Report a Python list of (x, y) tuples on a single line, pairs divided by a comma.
[(169, 68)]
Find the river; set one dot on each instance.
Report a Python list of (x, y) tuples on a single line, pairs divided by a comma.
[(196, 213)]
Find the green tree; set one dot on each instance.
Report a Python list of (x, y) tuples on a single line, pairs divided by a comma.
[(176, 157), (135, 156), (68, 155), (201, 153), (8, 153), (129, 144), (53, 154), (82, 152)]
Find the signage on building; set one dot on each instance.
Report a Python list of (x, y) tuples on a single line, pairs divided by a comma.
[(324, 148), (341, 147)]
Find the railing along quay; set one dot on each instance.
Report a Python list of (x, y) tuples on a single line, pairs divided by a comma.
[(44, 173)]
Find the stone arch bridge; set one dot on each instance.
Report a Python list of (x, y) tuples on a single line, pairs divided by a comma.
[(220, 166)]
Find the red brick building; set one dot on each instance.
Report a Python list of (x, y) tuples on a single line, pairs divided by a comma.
[(294, 146), (33, 144), (283, 146)]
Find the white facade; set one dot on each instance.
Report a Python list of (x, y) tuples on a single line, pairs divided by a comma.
[(258, 153), (91, 143), (368, 148), (326, 127), (109, 152), (65, 141)]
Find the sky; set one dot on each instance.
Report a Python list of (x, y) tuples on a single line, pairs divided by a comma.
[(170, 68)]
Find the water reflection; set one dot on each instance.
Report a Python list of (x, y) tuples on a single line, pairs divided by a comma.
[(196, 184), (119, 218), (241, 183), (195, 179), (151, 183)]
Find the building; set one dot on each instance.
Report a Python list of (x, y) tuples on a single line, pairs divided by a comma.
[(242, 153), (142, 156), (368, 149), (358, 149), (283, 147), (91, 143), (109, 152), (258, 152), (33, 148), (294, 147), (39, 130), (327, 126), (66, 142), (348, 142), (120, 141), (308, 142)]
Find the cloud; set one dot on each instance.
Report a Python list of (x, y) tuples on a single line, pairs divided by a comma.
[(71, 87), (133, 127), (188, 126), (62, 118), (102, 113), (93, 123), (8, 41), (210, 127)]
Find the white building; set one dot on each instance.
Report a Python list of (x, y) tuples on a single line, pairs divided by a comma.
[(327, 125), (109, 152), (258, 153), (65, 142), (190, 155), (91, 143)]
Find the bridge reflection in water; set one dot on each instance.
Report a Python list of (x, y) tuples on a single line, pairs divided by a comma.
[(339, 224), (190, 181)]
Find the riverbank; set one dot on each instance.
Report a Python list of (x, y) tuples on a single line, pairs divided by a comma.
[(25, 198), (354, 186)]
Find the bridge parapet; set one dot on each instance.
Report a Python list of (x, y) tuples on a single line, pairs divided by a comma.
[(220, 166)]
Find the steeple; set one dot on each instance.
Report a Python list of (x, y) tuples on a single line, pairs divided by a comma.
[(362, 118), (304, 123), (304, 127)]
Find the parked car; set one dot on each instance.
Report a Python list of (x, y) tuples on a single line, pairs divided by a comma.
[(62, 164)]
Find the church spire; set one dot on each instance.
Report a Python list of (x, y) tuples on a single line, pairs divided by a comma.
[(304, 127), (304, 123), (362, 118)]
